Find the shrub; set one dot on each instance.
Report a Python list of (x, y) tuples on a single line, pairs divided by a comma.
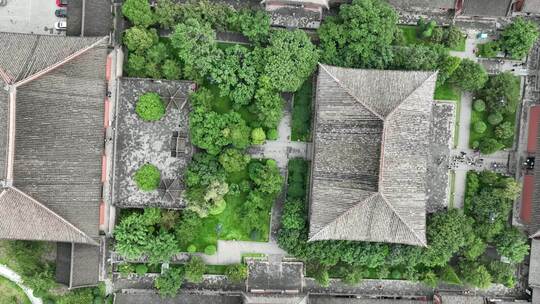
[(475, 144), (141, 269), (495, 118), (437, 35), (126, 269), (489, 145), (150, 107), (504, 130), (258, 137), (234, 160), (272, 134), (169, 282), (192, 248), (479, 127), (210, 250), (218, 208), (195, 269), (138, 39), (479, 105), (147, 177), (453, 37), (236, 272)]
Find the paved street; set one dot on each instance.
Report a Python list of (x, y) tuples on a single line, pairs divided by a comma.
[(29, 16)]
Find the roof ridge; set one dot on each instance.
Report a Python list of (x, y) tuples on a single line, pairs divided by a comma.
[(435, 73), (344, 213), (39, 204), (381, 157), (350, 93), (403, 221), (58, 63)]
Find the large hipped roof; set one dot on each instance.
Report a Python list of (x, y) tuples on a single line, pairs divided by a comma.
[(370, 155)]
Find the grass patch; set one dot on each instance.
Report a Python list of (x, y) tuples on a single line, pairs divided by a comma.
[(216, 269), (10, 293), (410, 34), (301, 115), (229, 224)]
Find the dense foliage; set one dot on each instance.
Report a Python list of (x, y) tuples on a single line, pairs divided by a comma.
[(495, 106), (469, 76), (168, 284), (138, 12), (518, 38), (360, 36), (147, 177)]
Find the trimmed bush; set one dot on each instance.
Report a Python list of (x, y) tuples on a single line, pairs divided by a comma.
[(475, 144), (272, 134), (480, 127), (141, 269), (479, 105), (236, 272), (147, 177), (258, 137), (150, 107), (192, 248), (495, 118), (210, 250), (490, 145)]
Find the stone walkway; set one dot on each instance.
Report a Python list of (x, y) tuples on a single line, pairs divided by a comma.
[(13, 276), (230, 252), (282, 149)]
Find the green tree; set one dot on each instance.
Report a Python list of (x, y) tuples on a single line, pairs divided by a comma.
[(479, 127), (240, 135), (171, 70), (266, 177), (161, 246), (138, 12), (233, 160), (168, 284), (502, 93), (131, 236), (138, 39), (258, 137), (253, 24), (203, 200), (136, 65), (289, 58), (495, 118), (157, 53), (236, 272), (321, 275), (293, 212), (479, 105), (361, 36), (474, 249), (212, 131), (447, 66), (195, 44), (437, 35), (150, 107), (268, 107), (469, 76), (166, 13), (475, 274), (512, 244), (147, 177), (236, 75), (519, 37), (195, 269), (504, 130), (503, 273), (453, 37), (417, 57), (447, 233)]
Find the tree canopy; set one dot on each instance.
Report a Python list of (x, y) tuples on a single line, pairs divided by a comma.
[(469, 76), (138, 12), (147, 177), (150, 107), (360, 36), (519, 37)]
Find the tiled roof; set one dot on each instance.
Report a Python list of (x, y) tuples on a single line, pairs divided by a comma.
[(424, 4), (24, 218), (488, 8), (370, 155), (534, 265)]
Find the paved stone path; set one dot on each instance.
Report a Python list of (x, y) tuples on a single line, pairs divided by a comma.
[(13, 276), (282, 149), (230, 252)]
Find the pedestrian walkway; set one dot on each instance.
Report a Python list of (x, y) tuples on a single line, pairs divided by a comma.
[(230, 252), (282, 149), (13, 276)]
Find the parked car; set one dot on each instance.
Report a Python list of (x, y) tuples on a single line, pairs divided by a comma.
[(60, 25), (61, 3), (61, 12)]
